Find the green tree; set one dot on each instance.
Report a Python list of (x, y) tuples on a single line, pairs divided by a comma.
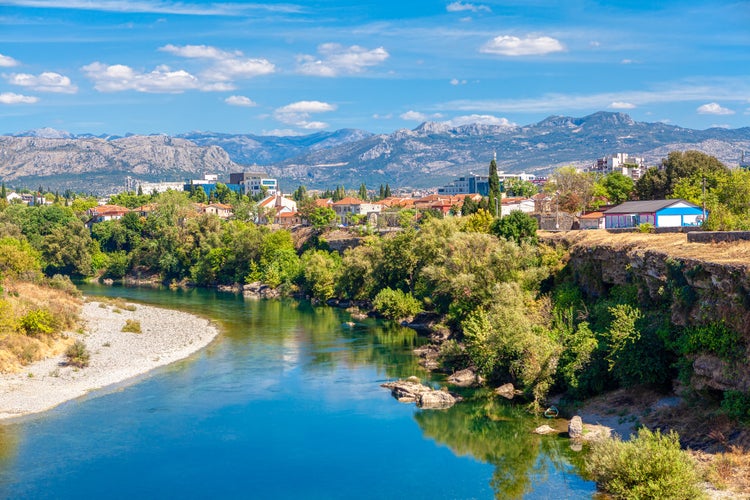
[(469, 206), (363, 192), (519, 187), (321, 217), (618, 187), (387, 193), (494, 189), (67, 250), (517, 226)]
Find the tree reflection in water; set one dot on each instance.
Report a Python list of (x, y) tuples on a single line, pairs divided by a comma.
[(499, 433)]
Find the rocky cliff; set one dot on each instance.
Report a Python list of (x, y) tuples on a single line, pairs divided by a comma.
[(696, 284)]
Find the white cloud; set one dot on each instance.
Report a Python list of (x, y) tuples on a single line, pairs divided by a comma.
[(530, 46), (456, 81), (461, 7), (388, 116), (336, 60), (226, 65), (621, 105), (118, 78), (627, 61), (416, 116), (11, 98), (223, 68), (282, 132), (481, 119), (713, 108), (240, 100), (7, 61), (300, 113), (45, 82), (158, 7)]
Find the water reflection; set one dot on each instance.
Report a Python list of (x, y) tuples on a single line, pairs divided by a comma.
[(494, 431)]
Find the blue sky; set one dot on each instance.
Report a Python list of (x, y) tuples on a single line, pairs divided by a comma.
[(162, 66)]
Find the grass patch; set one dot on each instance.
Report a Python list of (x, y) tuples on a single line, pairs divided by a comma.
[(132, 326)]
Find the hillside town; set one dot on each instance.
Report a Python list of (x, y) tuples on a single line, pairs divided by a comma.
[(526, 193)]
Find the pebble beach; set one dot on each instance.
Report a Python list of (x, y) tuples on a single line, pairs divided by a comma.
[(116, 356)]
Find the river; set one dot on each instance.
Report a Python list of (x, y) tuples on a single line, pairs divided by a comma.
[(286, 403)]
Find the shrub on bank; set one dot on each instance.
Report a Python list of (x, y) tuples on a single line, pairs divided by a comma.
[(651, 465), (132, 326), (396, 304), (78, 355)]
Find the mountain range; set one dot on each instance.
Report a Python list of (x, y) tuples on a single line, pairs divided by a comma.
[(429, 155)]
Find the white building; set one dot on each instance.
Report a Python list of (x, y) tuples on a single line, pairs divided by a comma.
[(630, 166), (254, 183)]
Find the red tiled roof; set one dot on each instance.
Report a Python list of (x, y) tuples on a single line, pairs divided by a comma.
[(349, 201)]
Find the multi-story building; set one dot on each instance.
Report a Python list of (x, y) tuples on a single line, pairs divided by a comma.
[(473, 183), (254, 183), (631, 166)]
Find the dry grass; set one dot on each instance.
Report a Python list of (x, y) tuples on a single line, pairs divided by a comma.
[(115, 302), (19, 298), (671, 245), (729, 470)]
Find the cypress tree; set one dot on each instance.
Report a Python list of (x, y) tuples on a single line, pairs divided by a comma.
[(494, 195), (3, 192), (363, 192), (387, 191)]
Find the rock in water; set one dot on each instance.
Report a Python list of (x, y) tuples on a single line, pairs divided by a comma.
[(411, 390), (435, 400), (575, 428), (544, 429)]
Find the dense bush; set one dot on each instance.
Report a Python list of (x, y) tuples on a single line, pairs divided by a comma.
[(78, 354), (651, 465), (38, 322), (396, 304), (736, 405)]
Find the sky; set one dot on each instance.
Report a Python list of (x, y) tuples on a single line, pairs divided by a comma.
[(292, 68)]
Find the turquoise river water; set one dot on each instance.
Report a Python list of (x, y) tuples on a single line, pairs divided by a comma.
[(286, 403)]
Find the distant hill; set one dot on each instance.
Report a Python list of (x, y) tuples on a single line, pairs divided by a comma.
[(428, 155)]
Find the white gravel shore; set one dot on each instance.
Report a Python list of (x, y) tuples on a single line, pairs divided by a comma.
[(116, 356)]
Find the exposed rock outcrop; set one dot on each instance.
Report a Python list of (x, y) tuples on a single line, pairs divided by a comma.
[(412, 390)]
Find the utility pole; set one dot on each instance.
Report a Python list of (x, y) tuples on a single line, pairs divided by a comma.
[(704, 199)]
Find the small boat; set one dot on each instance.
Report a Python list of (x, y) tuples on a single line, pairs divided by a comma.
[(551, 412)]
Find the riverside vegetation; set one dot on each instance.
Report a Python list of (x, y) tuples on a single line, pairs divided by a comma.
[(510, 307)]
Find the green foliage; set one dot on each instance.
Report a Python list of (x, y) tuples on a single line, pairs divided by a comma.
[(18, 258), (67, 250), (130, 199), (78, 354), (651, 465), (63, 282), (494, 189), (646, 227), (453, 356), (117, 265), (320, 273), (321, 217), (131, 326), (37, 323), (517, 226), (396, 304), (508, 343), (618, 187), (518, 187), (736, 405), (715, 338), (478, 222)]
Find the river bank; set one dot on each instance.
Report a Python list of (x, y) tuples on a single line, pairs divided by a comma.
[(116, 356)]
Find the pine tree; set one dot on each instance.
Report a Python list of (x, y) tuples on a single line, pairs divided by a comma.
[(494, 195), (387, 191), (140, 190), (3, 192), (363, 192), (381, 194)]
